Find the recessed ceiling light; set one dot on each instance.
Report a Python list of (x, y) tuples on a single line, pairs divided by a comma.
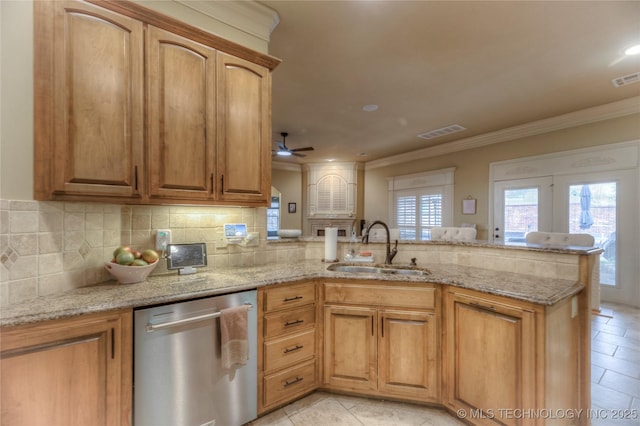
[(370, 108), (633, 50), (331, 159)]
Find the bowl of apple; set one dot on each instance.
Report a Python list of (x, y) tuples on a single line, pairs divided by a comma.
[(130, 266)]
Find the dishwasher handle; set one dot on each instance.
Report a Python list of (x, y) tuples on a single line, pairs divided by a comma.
[(153, 327)]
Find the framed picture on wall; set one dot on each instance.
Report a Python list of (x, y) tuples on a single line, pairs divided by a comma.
[(292, 207), (469, 206)]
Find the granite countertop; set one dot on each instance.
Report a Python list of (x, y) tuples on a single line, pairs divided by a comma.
[(174, 288)]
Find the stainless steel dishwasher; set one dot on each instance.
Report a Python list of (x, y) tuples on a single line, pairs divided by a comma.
[(178, 374)]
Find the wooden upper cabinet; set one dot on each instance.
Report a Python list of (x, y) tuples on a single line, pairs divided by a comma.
[(181, 80), (96, 100), (134, 106), (244, 131)]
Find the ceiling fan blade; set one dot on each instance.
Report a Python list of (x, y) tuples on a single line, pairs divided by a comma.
[(308, 148), (296, 154), (282, 147)]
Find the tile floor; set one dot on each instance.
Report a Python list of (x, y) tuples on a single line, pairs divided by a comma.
[(615, 359)]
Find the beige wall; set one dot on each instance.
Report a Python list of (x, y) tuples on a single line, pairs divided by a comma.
[(289, 183), (472, 166), (16, 100)]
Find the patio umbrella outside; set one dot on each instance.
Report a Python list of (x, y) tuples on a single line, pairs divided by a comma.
[(585, 208)]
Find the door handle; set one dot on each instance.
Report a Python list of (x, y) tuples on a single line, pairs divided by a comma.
[(296, 348), (290, 323), (293, 382), (154, 327)]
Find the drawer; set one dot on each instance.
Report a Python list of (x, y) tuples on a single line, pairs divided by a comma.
[(423, 296), (289, 350), (289, 321), (289, 296), (283, 386)]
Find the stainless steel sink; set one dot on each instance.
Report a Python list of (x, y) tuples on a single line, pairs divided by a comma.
[(378, 269)]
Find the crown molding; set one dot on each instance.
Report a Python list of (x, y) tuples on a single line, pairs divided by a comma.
[(249, 17), (578, 118), (278, 165)]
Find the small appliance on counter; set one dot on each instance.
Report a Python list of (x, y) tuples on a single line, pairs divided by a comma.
[(186, 257)]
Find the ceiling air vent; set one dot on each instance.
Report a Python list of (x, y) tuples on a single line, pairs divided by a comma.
[(627, 79), (442, 131)]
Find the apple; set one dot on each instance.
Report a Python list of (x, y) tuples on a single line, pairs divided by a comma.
[(120, 249), (125, 258), (150, 256)]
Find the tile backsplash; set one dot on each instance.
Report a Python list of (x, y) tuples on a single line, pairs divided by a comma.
[(50, 247)]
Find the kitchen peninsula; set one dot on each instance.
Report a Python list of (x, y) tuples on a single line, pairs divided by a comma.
[(527, 307)]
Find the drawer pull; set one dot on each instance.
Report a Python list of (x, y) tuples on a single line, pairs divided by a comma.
[(293, 382), (479, 306), (297, 348), (291, 299), (296, 322)]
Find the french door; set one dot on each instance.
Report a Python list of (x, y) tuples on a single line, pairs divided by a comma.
[(521, 206), (603, 205)]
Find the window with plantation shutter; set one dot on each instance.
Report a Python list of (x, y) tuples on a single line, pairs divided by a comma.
[(406, 216), (332, 194), (331, 190), (421, 202)]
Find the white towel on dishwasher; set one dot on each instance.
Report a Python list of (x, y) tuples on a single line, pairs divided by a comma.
[(234, 336)]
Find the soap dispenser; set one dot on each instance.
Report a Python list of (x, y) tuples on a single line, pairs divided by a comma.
[(351, 248)]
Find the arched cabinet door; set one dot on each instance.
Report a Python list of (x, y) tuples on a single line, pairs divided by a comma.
[(244, 131), (181, 75), (97, 99)]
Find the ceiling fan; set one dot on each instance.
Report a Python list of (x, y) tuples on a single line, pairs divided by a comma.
[(283, 151)]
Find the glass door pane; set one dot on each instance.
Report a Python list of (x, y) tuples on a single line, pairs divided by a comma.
[(520, 213), (593, 210), (521, 206)]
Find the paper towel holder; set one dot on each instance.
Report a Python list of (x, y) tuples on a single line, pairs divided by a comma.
[(331, 256)]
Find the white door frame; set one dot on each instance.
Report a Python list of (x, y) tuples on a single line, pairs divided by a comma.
[(627, 287), (600, 161), (545, 200)]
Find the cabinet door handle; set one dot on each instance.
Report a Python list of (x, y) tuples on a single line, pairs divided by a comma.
[(290, 323), (290, 299), (135, 177), (296, 348), (372, 327), (113, 343), (480, 306), (212, 184), (293, 382), (222, 184)]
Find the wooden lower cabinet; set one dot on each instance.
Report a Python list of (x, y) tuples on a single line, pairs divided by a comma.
[(491, 356), (408, 354), (350, 348), (379, 350), (68, 372), (288, 365), (509, 362)]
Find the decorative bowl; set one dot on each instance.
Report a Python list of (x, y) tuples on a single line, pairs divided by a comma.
[(126, 274), (289, 233)]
